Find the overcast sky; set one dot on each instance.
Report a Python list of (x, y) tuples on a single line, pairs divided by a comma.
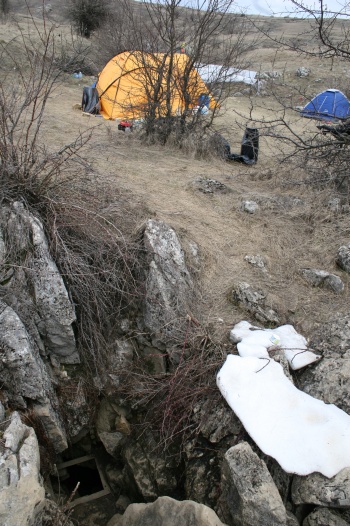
[(283, 7)]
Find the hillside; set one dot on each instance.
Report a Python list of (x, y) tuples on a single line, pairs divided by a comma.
[(260, 228)]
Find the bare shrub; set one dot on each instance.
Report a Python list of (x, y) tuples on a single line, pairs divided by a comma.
[(166, 402), (88, 15), (97, 261)]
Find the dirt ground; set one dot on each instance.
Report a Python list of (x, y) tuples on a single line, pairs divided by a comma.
[(161, 180)]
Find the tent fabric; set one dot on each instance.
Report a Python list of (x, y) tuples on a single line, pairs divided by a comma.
[(132, 83), (329, 105), (90, 102)]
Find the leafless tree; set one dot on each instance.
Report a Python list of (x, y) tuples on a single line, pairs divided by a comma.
[(87, 15), (206, 32), (324, 152)]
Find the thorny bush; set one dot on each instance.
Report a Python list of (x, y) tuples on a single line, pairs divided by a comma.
[(97, 261)]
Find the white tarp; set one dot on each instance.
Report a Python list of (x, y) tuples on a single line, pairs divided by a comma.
[(302, 433), (215, 73)]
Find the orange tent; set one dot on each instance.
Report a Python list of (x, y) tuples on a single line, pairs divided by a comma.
[(134, 83)]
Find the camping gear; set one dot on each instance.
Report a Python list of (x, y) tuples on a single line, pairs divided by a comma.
[(330, 105), (132, 80), (125, 126), (250, 145), (91, 102), (249, 148)]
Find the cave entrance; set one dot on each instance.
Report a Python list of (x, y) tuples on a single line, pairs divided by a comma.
[(86, 471)]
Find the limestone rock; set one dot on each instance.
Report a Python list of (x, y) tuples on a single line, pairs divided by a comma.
[(343, 258), (166, 511), (203, 479), (322, 278), (323, 516), (216, 421), (21, 368), (249, 206), (303, 72), (210, 186), (329, 379), (322, 491), (249, 491), (257, 261), (112, 442), (291, 519), (254, 301), (148, 468), (270, 75), (169, 286), (54, 313), (280, 203), (21, 492), (24, 376)]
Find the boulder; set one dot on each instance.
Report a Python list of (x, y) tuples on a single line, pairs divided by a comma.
[(303, 72), (329, 379), (322, 517), (48, 298), (210, 186), (249, 206), (249, 491), (148, 468), (166, 511), (21, 491), (343, 258), (216, 420), (280, 203), (169, 287), (254, 301), (257, 261), (322, 491), (25, 377), (202, 482), (322, 278)]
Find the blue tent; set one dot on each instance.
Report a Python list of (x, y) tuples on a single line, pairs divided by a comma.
[(330, 105)]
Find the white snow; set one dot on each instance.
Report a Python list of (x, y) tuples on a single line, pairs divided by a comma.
[(253, 341), (216, 73), (302, 433)]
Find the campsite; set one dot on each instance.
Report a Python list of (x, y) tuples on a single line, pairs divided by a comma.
[(174, 324)]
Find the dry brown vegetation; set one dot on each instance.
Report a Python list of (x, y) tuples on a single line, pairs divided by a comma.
[(159, 180)]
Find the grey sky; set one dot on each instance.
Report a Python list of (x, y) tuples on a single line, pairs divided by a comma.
[(283, 7)]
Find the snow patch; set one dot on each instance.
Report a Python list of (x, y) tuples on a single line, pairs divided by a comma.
[(254, 341), (302, 433)]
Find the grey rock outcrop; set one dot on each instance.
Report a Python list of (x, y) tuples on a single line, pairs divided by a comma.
[(169, 287), (322, 278), (48, 300), (24, 376), (148, 468), (249, 206), (166, 511), (257, 261), (254, 301), (210, 186), (322, 491), (329, 379), (216, 421), (249, 491), (276, 202), (323, 516), (21, 493), (343, 258), (303, 72)]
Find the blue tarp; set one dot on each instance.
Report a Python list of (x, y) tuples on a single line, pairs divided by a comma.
[(330, 105)]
